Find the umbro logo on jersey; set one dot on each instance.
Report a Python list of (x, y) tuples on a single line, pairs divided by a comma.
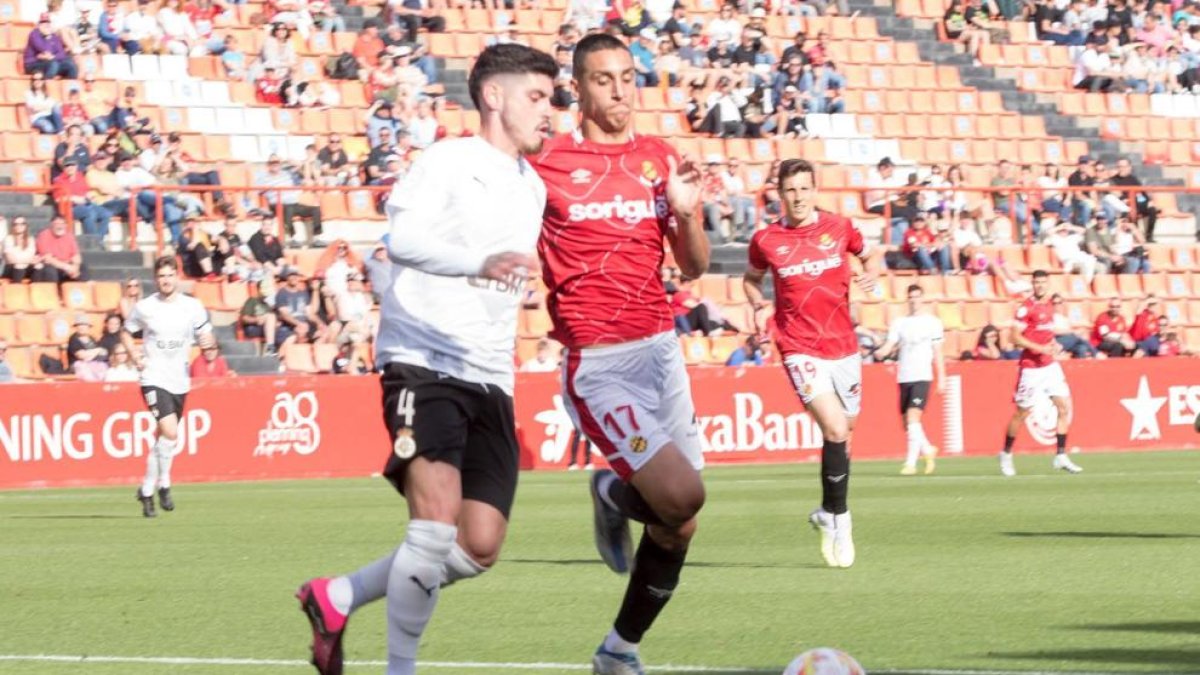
[(581, 176), (917, 401), (783, 250)]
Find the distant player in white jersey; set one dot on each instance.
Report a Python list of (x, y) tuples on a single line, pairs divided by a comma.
[(919, 336), (464, 226), (171, 323)]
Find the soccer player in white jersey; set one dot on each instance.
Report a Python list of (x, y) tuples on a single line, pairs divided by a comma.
[(464, 225), (919, 337), (171, 323)]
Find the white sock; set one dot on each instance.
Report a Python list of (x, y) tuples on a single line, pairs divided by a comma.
[(165, 449), (363, 586), (151, 473), (922, 439), (616, 644), (412, 589), (460, 566), (912, 432), (341, 594)]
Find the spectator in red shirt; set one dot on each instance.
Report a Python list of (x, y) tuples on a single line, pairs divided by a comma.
[(210, 363), (921, 246), (269, 88), (60, 254), (1110, 333), (368, 47), (1147, 328), (71, 192)]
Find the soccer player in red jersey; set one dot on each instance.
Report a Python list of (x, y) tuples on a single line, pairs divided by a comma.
[(806, 253), (612, 197), (1040, 374)]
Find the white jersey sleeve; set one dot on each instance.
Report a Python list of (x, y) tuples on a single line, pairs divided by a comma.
[(466, 200), (419, 236)]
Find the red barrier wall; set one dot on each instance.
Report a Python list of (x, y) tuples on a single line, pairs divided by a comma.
[(304, 427)]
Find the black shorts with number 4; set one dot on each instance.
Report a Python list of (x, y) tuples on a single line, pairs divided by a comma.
[(467, 424), (163, 403), (913, 395)]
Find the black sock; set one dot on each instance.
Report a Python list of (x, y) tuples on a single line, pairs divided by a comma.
[(631, 504), (1008, 443), (1062, 444), (655, 575), (835, 477)]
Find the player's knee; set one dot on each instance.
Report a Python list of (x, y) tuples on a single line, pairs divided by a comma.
[(676, 538), (484, 550), (837, 432), (682, 504)]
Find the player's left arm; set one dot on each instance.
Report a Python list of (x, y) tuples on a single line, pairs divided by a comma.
[(939, 361), (868, 255), (203, 329), (689, 244)]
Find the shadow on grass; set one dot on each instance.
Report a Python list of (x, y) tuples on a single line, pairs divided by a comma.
[(1103, 535), (81, 516), (1161, 657), (1147, 627), (698, 563)]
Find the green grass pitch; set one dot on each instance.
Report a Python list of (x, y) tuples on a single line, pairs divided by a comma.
[(964, 570)]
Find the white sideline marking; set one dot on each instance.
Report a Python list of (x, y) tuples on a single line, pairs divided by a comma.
[(474, 665)]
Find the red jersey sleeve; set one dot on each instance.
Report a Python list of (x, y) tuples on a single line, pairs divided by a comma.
[(854, 240), (758, 261)]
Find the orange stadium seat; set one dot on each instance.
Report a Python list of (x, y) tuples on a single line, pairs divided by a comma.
[(298, 358), (16, 297), (31, 329), (8, 327), (208, 293), (975, 314), (323, 355), (695, 350), (77, 295), (106, 294), (1178, 286)]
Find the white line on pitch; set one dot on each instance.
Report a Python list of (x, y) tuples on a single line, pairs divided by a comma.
[(472, 665)]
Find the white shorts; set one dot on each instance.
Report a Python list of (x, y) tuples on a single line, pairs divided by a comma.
[(1035, 383), (812, 376), (631, 400)]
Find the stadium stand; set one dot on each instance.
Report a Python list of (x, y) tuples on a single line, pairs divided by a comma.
[(900, 88)]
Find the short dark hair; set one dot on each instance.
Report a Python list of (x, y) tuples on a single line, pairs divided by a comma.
[(914, 288), (791, 167), (593, 43), (508, 59), (1041, 274), (164, 262)]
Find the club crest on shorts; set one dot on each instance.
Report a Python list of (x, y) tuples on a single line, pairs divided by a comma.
[(404, 446), (638, 445)]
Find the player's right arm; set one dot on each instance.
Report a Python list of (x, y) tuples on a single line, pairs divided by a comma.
[(1017, 335), (419, 235), (892, 342), (752, 282), (132, 325)]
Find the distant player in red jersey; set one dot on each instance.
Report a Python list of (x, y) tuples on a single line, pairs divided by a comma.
[(612, 197), (1040, 375), (806, 253)]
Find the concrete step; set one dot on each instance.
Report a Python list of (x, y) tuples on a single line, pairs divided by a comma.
[(235, 348), (254, 365)]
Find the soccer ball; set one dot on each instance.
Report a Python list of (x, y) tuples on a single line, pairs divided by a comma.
[(824, 661)]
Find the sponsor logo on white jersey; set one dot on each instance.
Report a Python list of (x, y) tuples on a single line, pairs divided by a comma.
[(812, 268), (631, 211), (292, 427), (581, 176)]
